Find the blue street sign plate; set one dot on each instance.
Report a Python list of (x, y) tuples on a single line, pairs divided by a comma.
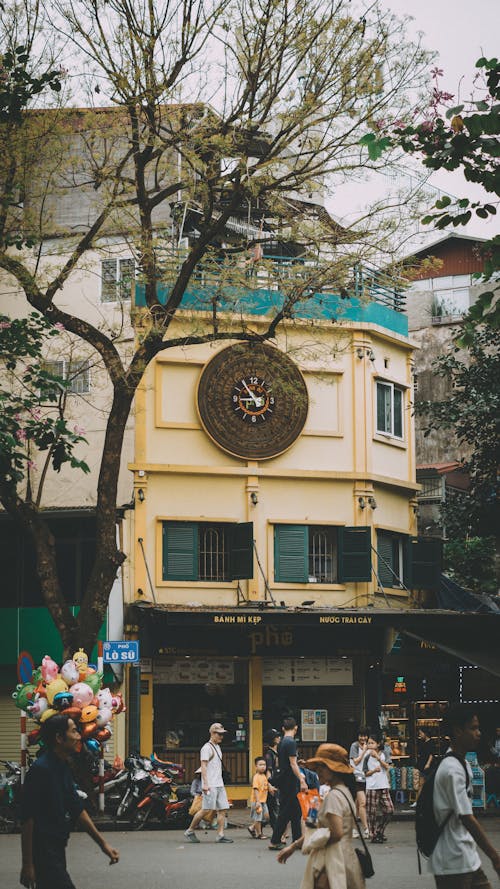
[(120, 652)]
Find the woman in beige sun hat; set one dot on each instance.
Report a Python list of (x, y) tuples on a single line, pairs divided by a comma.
[(331, 860)]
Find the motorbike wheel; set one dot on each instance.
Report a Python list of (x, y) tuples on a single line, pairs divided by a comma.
[(139, 818), (8, 822)]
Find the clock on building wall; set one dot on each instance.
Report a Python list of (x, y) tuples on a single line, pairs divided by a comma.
[(252, 400)]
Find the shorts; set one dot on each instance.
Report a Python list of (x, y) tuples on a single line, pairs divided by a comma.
[(263, 815), (216, 798), (474, 880)]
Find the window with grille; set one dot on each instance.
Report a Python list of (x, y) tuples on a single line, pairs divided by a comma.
[(212, 552), (207, 551), (75, 372), (322, 555), (390, 400), (116, 279), (432, 489)]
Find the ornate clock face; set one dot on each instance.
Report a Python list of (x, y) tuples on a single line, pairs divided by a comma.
[(252, 400)]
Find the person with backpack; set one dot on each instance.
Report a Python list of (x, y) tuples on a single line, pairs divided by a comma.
[(447, 831)]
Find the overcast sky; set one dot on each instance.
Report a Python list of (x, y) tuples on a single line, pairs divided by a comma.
[(460, 32)]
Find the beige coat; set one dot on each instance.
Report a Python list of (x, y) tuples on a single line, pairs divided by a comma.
[(338, 859)]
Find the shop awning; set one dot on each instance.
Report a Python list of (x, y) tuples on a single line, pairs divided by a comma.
[(471, 637)]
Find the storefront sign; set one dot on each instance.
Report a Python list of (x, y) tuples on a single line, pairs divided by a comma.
[(194, 671), (314, 725), (307, 671), (400, 686)]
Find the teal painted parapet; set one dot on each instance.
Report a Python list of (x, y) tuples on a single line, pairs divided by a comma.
[(261, 301)]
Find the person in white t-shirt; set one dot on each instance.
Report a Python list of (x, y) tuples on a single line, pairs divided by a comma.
[(214, 796), (379, 805), (455, 861)]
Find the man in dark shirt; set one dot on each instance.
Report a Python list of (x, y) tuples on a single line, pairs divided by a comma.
[(290, 782), (50, 808)]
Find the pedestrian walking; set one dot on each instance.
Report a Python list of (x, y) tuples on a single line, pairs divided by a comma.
[(379, 805), (272, 739), (332, 862), (259, 812), (455, 861), (356, 757), (214, 794), (51, 807), (425, 755), (290, 782)]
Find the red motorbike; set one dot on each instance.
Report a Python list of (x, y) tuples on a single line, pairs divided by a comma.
[(164, 802)]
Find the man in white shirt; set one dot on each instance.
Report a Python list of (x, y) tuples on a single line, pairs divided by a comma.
[(214, 795), (455, 861)]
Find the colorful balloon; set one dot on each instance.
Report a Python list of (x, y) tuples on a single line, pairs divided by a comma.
[(94, 681), (54, 687), (23, 695), (81, 660), (62, 700), (50, 670), (82, 694), (93, 745), (117, 703), (34, 737), (74, 712), (69, 672), (104, 715), (104, 698), (48, 713), (38, 707), (89, 714), (103, 735), (87, 730)]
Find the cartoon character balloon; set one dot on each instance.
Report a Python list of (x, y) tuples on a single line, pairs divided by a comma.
[(82, 694), (104, 715), (38, 707), (104, 698), (23, 695), (81, 660), (54, 687), (69, 672), (62, 700), (50, 670)]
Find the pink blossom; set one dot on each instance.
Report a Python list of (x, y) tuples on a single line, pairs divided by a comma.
[(21, 434), (36, 413), (427, 126), (59, 326), (79, 430), (437, 72), (31, 464), (4, 325)]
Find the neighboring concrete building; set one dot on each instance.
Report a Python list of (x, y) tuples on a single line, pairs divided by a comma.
[(435, 307)]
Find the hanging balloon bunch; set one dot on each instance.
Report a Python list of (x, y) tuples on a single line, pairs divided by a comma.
[(76, 690)]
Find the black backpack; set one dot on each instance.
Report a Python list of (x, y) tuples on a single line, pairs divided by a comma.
[(427, 829)]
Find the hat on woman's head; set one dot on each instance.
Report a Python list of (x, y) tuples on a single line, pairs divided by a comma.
[(333, 756)]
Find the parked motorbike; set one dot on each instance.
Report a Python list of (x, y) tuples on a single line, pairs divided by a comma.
[(138, 778), (164, 802), (10, 794)]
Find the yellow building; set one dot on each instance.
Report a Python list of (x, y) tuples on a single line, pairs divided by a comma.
[(274, 516)]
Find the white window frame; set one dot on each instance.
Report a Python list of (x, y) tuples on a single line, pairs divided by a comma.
[(116, 292), (77, 372), (389, 410)]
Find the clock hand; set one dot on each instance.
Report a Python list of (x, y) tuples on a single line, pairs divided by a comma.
[(253, 397)]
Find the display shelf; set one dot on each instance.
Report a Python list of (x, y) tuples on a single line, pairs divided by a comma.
[(395, 721), (478, 788), (430, 715)]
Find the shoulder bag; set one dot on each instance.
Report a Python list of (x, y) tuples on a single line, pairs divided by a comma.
[(226, 776), (364, 857)]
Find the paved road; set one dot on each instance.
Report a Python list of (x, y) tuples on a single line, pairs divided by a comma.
[(162, 860)]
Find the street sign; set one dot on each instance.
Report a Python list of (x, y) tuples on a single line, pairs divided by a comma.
[(120, 652), (25, 667)]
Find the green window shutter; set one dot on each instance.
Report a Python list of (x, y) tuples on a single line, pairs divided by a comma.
[(385, 559), (398, 413), (355, 560), (241, 551), (426, 563), (290, 553), (180, 551)]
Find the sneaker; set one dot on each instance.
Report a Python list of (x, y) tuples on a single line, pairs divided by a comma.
[(191, 836), (366, 834), (413, 806), (224, 840), (251, 831), (276, 847), (355, 834)]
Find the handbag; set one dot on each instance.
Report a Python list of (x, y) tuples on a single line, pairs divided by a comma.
[(364, 857), (195, 805)]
